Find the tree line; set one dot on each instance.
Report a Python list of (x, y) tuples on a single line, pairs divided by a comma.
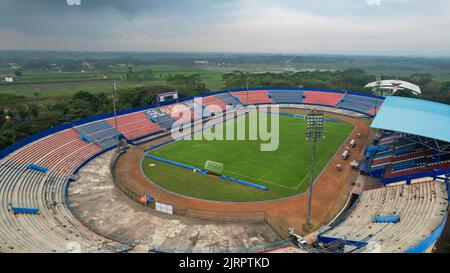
[(21, 116)]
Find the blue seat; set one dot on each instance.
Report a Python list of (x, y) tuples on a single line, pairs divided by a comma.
[(228, 99), (100, 132), (287, 96), (160, 117), (359, 103)]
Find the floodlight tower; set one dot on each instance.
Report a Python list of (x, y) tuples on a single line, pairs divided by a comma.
[(114, 96), (314, 132), (247, 89)]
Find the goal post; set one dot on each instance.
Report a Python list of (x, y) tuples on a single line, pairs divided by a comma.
[(215, 167)]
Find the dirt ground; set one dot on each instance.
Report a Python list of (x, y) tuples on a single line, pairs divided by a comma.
[(330, 192), (102, 206)]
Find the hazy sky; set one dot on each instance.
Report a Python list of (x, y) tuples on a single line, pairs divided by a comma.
[(391, 27)]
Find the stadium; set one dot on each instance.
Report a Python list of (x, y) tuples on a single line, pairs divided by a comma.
[(381, 174)]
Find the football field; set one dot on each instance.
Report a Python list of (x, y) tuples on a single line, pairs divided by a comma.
[(285, 171)]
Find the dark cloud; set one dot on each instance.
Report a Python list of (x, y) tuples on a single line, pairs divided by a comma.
[(100, 18), (229, 25)]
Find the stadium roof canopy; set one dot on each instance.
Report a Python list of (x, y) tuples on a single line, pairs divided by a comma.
[(416, 117), (395, 85)]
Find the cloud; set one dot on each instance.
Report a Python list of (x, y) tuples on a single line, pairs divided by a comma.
[(73, 2), (373, 2), (297, 26)]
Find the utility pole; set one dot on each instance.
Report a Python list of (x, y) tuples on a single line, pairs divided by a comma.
[(314, 132)]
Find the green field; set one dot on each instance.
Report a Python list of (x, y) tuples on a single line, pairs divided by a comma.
[(56, 84), (285, 172)]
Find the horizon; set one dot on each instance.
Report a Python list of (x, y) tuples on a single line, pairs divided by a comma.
[(237, 53)]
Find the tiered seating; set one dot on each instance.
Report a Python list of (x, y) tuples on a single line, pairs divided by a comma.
[(64, 146), (212, 100), (228, 99), (135, 125), (196, 105), (323, 98), (402, 157), (286, 96), (421, 207), (177, 111), (390, 138), (375, 110), (162, 118), (359, 103), (253, 97), (54, 228), (422, 165), (399, 157), (101, 132), (36, 150)]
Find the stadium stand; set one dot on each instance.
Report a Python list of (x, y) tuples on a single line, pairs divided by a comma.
[(359, 103), (415, 160), (175, 111), (53, 228), (253, 97), (213, 100), (160, 117), (421, 207), (228, 99), (286, 96), (322, 98), (196, 105), (136, 125), (100, 132), (50, 152)]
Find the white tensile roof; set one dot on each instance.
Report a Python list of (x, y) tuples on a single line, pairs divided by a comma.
[(395, 85)]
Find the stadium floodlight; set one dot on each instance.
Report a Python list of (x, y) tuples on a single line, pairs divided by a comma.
[(215, 167), (114, 95), (314, 132), (247, 89)]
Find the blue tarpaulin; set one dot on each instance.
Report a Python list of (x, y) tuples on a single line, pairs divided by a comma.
[(370, 151), (364, 166), (37, 168), (387, 219), (245, 183), (176, 164), (24, 210), (85, 138)]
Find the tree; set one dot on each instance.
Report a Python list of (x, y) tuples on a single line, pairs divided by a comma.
[(83, 95)]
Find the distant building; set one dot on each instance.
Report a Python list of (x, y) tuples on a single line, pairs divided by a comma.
[(9, 79)]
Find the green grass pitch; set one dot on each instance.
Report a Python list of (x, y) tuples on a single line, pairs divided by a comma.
[(286, 171)]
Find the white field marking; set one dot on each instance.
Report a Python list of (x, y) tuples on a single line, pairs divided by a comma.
[(269, 171), (216, 133), (185, 161), (262, 180), (303, 180)]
